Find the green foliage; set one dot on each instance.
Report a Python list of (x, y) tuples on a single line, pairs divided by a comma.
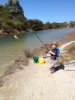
[(35, 24), (12, 17), (72, 23), (53, 25), (47, 26), (12, 20)]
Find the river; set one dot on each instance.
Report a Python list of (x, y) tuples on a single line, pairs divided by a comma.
[(10, 48)]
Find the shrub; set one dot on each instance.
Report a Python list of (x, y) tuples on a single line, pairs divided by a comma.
[(28, 53)]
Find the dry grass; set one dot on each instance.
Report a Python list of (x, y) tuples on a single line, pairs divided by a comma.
[(71, 51), (71, 48), (67, 38), (28, 53), (70, 55)]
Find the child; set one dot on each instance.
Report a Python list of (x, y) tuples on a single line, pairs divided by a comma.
[(54, 53)]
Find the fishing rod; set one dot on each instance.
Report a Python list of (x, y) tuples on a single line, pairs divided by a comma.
[(41, 41)]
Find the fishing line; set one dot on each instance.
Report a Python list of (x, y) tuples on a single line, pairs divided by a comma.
[(41, 41)]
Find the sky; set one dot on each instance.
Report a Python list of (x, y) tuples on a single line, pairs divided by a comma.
[(48, 10)]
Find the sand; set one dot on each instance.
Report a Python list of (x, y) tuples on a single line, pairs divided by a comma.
[(36, 83)]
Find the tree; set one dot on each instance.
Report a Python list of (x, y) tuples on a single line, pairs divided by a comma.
[(35, 24), (10, 3), (12, 17), (47, 26), (72, 24)]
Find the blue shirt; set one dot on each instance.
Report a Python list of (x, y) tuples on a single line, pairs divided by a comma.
[(57, 53)]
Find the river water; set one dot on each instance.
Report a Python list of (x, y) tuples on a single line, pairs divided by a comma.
[(10, 48)]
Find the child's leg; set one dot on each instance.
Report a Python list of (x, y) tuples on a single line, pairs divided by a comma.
[(52, 63), (56, 63)]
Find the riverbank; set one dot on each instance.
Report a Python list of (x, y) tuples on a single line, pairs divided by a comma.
[(10, 44), (20, 62), (17, 65), (35, 82), (67, 38), (16, 32)]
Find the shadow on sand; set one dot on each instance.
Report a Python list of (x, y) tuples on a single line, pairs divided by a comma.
[(61, 66)]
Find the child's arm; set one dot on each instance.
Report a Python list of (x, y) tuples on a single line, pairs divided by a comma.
[(51, 52)]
